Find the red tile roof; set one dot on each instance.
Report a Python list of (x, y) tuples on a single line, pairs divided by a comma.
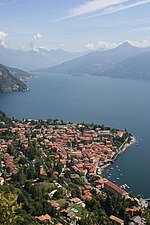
[(116, 219), (116, 188), (43, 217)]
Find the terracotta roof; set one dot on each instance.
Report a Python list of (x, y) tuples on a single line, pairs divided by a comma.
[(80, 165), (43, 217), (134, 209), (101, 181), (116, 219), (116, 188), (54, 203), (75, 200), (74, 176)]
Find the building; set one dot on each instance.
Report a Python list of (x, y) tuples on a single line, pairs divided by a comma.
[(136, 220), (116, 219), (54, 204), (134, 210), (114, 189), (1, 181), (43, 217)]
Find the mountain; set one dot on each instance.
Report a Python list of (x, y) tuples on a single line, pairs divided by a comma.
[(20, 74), (59, 55), (29, 60), (96, 63), (137, 67), (10, 83)]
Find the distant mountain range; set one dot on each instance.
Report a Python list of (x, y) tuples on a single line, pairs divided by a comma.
[(125, 61), (137, 67), (12, 81), (29, 60)]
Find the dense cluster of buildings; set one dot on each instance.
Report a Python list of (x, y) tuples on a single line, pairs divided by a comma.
[(86, 148), (90, 147)]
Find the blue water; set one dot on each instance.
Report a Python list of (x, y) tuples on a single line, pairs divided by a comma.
[(114, 102)]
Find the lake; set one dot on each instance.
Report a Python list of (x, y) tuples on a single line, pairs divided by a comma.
[(119, 103)]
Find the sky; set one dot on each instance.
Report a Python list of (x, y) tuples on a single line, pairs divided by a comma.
[(73, 25)]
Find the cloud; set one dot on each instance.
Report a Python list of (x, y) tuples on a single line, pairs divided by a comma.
[(90, 46), (44, 47), (140, 44), (37, 36), (141, 29), (101, 45), (62, 46), (107, 45), (121, 7), (103, 6), (90, 7), (3, 36), (34, 40)]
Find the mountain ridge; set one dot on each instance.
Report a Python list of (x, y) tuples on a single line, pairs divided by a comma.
[(29, 60), (98, 63), (137, 67), (9, 83)]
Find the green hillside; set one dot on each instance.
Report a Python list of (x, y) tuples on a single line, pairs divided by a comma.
[(9, 83)]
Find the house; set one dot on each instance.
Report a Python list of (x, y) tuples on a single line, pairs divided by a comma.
[(1, 181), (74, 176), (68, 213), (86, 196), (136, 220), (134, 210), (101, 182), (43, 217), (42, 171), (78, 201), (116, 219), (54, 204)]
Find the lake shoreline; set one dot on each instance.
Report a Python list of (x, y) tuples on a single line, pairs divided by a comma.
[(121, 150)]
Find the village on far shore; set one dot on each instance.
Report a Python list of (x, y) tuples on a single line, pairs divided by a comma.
[(66, 159)]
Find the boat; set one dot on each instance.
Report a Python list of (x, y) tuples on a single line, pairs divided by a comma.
[(118, 178), (126, 186), (123, 186)]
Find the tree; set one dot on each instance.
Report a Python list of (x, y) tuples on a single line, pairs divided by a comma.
[(20, 177), (59, 167), (58, 194), (9, 209)]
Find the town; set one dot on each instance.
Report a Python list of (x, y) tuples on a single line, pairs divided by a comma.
[(60, 166)]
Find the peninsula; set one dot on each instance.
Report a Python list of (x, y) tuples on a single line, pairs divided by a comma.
[(53, 169)]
